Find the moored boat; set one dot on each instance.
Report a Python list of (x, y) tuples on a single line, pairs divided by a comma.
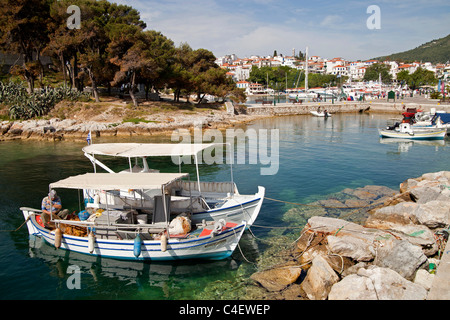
[(124, 232), (320, 113), (406, 131)]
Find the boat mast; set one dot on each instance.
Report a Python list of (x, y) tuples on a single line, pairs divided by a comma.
[(306, 70)]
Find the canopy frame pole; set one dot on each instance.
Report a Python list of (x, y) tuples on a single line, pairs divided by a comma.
[(165, 209), (198, 174), (107, 209), (190, 193), (97, 162), (51, 204), (231, 169)]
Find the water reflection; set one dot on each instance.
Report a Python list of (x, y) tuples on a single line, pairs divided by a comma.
[(169, 279), (406, 145)]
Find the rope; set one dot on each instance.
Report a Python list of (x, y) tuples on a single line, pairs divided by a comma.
[(18, 227), (321, 206)]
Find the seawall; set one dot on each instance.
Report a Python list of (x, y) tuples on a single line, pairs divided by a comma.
[(341, 107)]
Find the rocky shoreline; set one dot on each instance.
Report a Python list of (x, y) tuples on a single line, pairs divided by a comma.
[(74, 130), (392, 255), (115, 121)]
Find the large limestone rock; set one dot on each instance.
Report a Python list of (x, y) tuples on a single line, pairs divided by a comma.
[(433, 214), (348, 239), (384, 218), (321, 277), (278, 278), (375, 283), (424, 278), (400, 256), (357, 248)]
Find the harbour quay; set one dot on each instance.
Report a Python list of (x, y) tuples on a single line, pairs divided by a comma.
[(345, 107)]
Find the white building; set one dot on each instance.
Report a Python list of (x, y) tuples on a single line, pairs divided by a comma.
[(243, 84)]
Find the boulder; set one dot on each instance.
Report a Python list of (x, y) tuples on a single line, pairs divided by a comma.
[(433, 214), (357, 248), (310, 246), (375, 283), (424, 278), (400, 256), (429, 193), (277, 279), (319, 280), (385, 217), (418, 235)]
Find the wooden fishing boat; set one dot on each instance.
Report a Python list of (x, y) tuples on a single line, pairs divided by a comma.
[(122, 231)]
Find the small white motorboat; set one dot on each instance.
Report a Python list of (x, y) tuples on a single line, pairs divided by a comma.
[(321, 114), (406, 131)]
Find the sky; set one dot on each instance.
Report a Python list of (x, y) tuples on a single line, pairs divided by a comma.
[(329, 28)]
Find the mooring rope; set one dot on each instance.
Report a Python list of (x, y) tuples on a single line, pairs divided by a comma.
[(319, 205), (18, 227)]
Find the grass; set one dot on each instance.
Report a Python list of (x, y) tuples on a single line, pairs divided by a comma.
[(138, 120)]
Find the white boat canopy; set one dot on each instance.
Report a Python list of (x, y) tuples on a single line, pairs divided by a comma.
[(144, 150), (130, 150), (118, 181)]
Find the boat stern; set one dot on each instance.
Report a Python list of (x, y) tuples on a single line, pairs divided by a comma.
[(27, 214)]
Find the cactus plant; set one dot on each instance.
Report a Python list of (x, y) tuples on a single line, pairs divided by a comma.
[(24, 106)]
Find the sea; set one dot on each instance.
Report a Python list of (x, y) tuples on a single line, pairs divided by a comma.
[(316, 157)]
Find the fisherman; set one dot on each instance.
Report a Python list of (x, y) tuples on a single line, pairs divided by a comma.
[(51, 205)]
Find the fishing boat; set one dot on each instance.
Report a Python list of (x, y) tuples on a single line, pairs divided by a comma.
[(124, 232), (406, 131), (211, 201)]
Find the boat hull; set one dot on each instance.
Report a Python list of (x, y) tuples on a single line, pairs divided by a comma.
[(208, 247), (234, 210), (320, 114), (417, 135)]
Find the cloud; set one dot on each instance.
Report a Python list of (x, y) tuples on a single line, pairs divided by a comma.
[(329, 28), (331, 20)]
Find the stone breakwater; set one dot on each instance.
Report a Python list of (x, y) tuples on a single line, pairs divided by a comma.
[(390, 257)]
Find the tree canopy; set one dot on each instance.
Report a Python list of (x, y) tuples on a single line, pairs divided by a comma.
[(278, 78), (420, 77), (111, 48), (374, 71)]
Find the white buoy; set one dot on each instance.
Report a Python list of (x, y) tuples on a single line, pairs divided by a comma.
[(91, 242), (163, 243), (58, 238)]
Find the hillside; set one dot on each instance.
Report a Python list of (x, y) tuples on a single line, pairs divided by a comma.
[(435, 51)]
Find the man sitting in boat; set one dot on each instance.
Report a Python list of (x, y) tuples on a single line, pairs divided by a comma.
[(52, 205)]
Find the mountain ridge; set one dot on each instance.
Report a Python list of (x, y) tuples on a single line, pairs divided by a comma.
[(434, 51)]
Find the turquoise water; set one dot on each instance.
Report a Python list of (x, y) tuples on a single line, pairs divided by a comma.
[(316, 157)]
